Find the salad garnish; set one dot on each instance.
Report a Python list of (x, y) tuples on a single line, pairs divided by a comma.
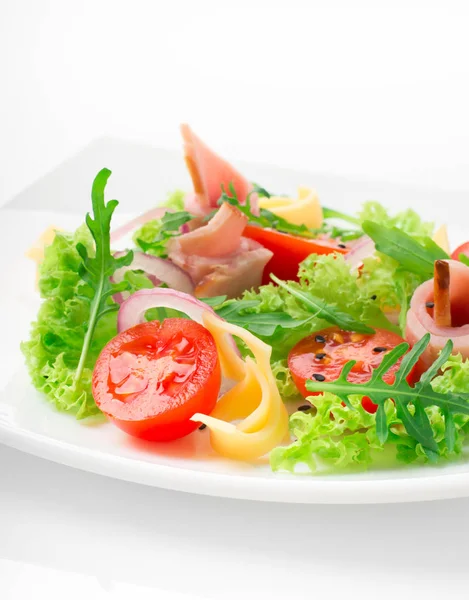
[(98, 270)]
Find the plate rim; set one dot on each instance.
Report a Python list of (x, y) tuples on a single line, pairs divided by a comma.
[(293, 490)]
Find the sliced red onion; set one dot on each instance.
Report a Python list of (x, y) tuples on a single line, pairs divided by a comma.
[(364, 248), (154, 213), (132, 311), (158, 270)]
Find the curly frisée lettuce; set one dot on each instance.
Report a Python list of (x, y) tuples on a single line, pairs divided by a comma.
[(332, 435), (407, 221), (77, 316), (53, 350), (381, 276)]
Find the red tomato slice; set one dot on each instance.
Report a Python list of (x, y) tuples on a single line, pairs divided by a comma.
[(462, 249), (289, 250), (150, 379), (325, 353)]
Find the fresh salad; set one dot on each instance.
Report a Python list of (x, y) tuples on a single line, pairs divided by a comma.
[(283, 327)]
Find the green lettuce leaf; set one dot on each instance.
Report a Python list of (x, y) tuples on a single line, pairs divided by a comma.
[(175, 200), (331, 436), (408, 220), (349, 439), (154, 235), (381, 277), (56, 340)]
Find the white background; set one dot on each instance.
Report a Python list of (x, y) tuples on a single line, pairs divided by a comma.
[(369, 89), (364, 88)]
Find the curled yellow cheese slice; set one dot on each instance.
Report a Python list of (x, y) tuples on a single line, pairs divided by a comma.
[(36, 252), (304, 210), (254, 400), (441, 238)]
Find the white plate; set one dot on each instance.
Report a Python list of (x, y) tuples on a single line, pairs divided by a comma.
[(142, 176)]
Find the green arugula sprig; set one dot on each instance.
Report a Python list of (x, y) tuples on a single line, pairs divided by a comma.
[(464, 259), (96, 270), (269, 220), (323, 310), (265, 324), (330, 213), (265, 218), (170, 225), (411, 402), (416, 257), (261, 192)]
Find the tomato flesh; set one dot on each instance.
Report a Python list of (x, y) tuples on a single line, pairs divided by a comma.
[(289, 250), (462, 249), (151, 379), (325, 352)]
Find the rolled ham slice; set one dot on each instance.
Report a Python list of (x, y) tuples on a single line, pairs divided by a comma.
[(218, 259), (420, 316), (236, 273), (209, 172), (220, 236)]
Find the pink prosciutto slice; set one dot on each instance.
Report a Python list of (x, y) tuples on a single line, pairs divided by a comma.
[(220, 236), (240, 272), (228, 275), (420, 316), (209, 172), (219, 260)]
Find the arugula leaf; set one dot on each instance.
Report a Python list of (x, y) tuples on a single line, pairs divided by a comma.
[(265, 324), (214, 301), (464, 259), (97, 270), (410, 402), (418, 258), (260, 191), (323, 310), (329, 213), (158, 233), (266, 218)]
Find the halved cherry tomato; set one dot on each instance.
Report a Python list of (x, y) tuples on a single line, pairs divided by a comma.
[(323, 354), (462, 249), (150, 379), (289, 250)]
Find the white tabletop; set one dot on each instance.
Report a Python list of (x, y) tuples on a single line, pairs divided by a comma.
[(65, 532), (354, 88)]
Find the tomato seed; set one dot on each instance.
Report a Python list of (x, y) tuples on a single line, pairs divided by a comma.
[(304, 407), (319, 377), (380, 349), (320, 355), (320, 339), (202, 427), (342, 245), (429, 304)]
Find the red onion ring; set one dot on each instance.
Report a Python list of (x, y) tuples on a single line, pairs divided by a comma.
[(158, 270), (132, 311), (364, 248)]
